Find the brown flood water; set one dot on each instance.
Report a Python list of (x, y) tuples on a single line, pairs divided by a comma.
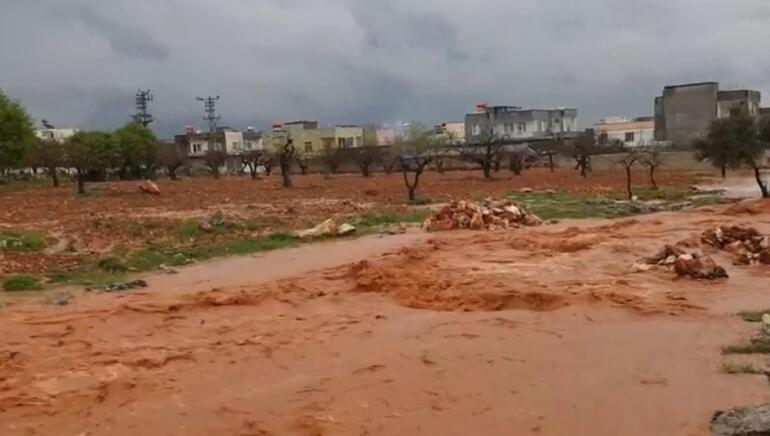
[(538, 331)]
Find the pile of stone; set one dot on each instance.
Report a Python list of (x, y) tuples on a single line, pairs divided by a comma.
[(487, 215), (694, 265), (746, 244)]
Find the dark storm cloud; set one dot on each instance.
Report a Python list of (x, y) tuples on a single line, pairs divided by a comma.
[(79, 62), (125, 41)]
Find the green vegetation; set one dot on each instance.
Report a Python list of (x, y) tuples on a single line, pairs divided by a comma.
[(21, 282), (564, 205), (389, 218), (85, 277), (21, 242)]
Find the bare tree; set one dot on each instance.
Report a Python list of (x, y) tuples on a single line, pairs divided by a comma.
[(332, 156), (653, 159), (417, 155), (389, 158), (486, 152), (517, 160), (286, 155), (583, 149), (171, 157), (628, 161), (215, 159), (253, 159), (303, 161), (365, 157)]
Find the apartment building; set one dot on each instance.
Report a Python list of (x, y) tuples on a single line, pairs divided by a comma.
[(515, 123), (636, 132)]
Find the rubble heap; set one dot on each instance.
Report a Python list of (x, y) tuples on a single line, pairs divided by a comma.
[(692, 265), (746, 244), (488, 215)]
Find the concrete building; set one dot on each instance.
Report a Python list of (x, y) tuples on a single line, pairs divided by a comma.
[(637, 132), (343, 136), (684, 112), (517, 124), (454, 132), (309, 138), (196, 143), (387, 137), (53, 134)]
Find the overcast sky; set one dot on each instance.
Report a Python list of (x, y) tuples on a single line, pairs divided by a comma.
[(80, 62)]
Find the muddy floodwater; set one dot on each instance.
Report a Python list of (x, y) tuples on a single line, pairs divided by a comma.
[(543, 331)]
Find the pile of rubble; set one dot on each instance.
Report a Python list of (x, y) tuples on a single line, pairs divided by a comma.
[(746, 244), (694, 265), (488, 215)]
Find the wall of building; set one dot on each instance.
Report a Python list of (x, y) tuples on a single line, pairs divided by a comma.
[(743, 99), (632, 133), (507, 122), (689, 111)]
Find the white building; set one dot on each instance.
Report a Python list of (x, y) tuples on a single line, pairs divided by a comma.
[(53, 134), (637, 132), (516, 123)]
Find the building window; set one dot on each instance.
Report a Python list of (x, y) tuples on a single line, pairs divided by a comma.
[(476, 130), (603, 138), (522, 127), (308, 147), (197, 148), (629, 136)]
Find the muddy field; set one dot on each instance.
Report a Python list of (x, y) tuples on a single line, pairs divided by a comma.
[(116, 217), (531, 331)]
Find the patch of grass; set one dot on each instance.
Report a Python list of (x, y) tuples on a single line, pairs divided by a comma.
[(190, 230), (112, 265), (389, 218), (85, 277), (241, 246), (420, 201), (753, 316), (758, 345), (562, 205), (22, 282), (740, 368), (21, 242)]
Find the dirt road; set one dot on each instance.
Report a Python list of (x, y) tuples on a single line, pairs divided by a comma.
[(538, 331)]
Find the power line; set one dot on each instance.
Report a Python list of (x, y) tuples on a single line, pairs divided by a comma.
[(142, 115)]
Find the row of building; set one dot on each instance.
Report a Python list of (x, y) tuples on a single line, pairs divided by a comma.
[(681, 114)]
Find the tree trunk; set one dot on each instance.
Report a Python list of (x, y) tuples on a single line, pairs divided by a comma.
[(762, 184), (253, 171), (215, 171), (487, 168), (628, 183), (550, 162), (172, 173), (54, 177), (286, 174), (724, 171), (652, 178), (81, 182)]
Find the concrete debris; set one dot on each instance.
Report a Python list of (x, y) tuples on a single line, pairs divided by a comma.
[(742, 421), (149, 187), (746, 244), (693, 265), (488, 215), (699, 267), (126, 286), (326, 228)]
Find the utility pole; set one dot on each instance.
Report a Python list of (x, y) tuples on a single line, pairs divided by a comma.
[(210, 107), (142, 115)]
